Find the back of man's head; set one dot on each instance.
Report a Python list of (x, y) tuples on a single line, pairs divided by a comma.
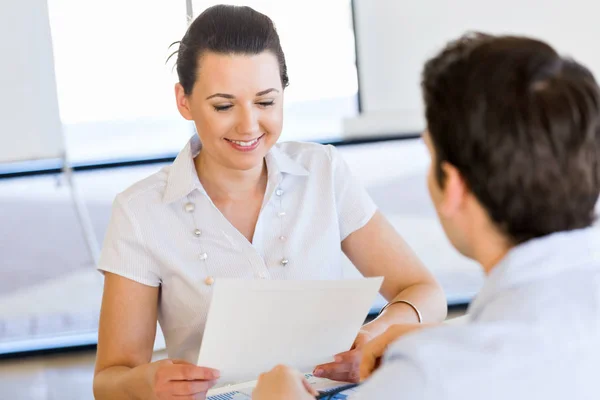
[(522, 126)]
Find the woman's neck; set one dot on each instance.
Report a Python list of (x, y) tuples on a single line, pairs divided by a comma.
[(221, 182)]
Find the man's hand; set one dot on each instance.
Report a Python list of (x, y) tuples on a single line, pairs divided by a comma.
[(374, 349), (283, 383), (345, 368)]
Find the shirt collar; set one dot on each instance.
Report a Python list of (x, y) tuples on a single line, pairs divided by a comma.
[(183, 179), (538, 259), (279, 162)]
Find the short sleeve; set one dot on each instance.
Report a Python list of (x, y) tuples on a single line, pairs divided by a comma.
[(354, 205), (124, 252)]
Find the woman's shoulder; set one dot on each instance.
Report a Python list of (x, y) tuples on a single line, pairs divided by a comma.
[(146, 190), (307, 153)]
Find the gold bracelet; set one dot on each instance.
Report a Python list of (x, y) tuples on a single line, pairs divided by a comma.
[(405, 302)]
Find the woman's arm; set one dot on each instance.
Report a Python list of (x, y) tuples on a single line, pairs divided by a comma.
[(125, 339), (377, 249), (125, 343)]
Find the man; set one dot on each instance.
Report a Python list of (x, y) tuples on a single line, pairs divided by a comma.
[(514, 136)]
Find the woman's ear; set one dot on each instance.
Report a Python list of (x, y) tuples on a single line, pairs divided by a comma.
[(183, 102)]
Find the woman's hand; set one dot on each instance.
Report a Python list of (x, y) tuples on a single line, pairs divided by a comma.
[(173, 379), (346, 366), (283, 383), (373, 351)]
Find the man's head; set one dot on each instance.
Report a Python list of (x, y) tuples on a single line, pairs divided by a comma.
[(514, 134)]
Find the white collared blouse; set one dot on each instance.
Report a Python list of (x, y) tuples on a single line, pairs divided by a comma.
[(165, 231)]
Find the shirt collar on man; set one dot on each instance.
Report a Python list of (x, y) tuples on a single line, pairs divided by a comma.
[(538, 259), (183, 179)]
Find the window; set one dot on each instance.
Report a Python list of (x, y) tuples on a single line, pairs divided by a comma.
[(115, 88)]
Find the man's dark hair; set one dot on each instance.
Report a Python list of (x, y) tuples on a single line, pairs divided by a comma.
[(522, 126), (226, 29)]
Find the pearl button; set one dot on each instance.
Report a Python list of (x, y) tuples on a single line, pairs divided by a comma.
[(282, 238), (203, 256), (197, 232), (279, 192), (209, 280), (189, 207), (284, 262), (262, 275), (281, 214)]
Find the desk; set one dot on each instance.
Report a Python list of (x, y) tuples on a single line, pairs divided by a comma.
[(246, 396)]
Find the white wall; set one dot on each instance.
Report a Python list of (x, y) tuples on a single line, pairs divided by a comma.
[(30, 126), (395, 38)]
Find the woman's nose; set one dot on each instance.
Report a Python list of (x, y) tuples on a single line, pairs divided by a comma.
[(248, 122)]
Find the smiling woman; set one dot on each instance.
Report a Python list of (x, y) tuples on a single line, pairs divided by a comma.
[(236, 204), (237, 108)]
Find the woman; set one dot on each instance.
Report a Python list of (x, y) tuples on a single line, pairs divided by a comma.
[(235, 204)]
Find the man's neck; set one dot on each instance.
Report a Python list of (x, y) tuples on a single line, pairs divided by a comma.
[(489, 249), (221, 182), (491, 260)]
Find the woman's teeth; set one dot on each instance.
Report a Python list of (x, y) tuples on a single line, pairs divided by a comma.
[(244, 144)]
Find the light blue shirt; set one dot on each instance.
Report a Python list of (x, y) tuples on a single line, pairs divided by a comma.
[(533, 332)]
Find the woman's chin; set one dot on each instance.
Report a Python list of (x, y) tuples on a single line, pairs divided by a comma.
[(247, 162)]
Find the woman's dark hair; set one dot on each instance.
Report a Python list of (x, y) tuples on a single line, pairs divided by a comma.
[(522, 126), (226, 29)]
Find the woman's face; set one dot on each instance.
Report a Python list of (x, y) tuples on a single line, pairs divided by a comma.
[(237, 107)]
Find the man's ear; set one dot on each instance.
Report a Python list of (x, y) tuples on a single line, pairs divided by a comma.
[(183, 102), (454, 191)]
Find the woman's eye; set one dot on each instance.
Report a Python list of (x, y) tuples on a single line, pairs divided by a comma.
[(266, 103), (222, 108)]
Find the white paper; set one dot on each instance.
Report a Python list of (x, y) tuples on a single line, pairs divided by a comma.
[(254, 325)]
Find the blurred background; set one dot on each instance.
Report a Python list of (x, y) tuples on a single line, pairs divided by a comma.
[(87, 108)]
